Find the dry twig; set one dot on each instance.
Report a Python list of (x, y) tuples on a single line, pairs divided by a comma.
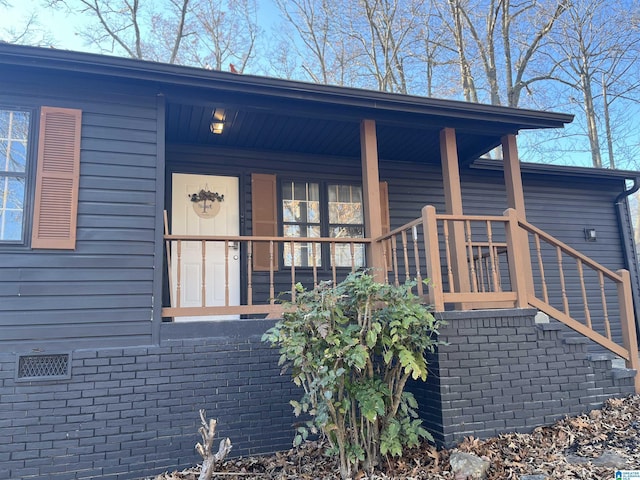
[(209, 459)]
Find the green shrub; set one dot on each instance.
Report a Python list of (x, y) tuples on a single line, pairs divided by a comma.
[(352, 349)]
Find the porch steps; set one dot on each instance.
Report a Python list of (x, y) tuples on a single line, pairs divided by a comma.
[(608, 364)]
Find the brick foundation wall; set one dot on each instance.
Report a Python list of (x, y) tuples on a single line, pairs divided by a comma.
[(501, 372), (127, 413), (130, 412)]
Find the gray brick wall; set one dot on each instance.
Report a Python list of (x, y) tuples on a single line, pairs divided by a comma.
[(126, 413), (130, 412), (499, 372)]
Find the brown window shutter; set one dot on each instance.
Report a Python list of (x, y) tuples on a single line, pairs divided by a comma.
[(57, 178), (386, 219), (264, 211)]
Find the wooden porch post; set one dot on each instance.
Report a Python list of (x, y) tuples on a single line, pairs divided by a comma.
[(432, 250), (515, 200), (627, 320), (512, 175), (453, 205), (371, 196)]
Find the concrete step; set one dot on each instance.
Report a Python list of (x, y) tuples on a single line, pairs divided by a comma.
[(614, 364), (619, 373), (576, 340)]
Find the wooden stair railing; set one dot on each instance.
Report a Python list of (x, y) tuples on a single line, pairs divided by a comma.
[(422, 248), (590, 298)]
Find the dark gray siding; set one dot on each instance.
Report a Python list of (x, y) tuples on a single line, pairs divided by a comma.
[(101, 293), (186, 159), (561, 205)]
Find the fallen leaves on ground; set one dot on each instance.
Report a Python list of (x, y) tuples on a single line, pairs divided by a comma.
[(590, 446)]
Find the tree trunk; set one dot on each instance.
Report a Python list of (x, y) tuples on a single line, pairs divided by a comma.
[(592, 126), (607, 123)]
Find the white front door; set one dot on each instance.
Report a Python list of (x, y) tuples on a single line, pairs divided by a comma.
[(221, 275)]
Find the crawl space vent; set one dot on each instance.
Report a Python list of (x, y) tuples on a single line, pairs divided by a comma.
[(43, 367)]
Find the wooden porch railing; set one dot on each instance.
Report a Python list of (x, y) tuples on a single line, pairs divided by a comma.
[(492, 261), (479, 271), (264, 283), (471, 262)]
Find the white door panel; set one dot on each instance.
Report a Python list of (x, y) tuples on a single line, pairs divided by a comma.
[(184, 220)]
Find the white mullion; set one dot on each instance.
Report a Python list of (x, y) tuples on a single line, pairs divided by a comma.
[(9, 139), (5, 189), (3, 207)]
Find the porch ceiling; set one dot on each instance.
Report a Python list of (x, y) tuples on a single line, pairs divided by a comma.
[(407, 139), (281, 115)]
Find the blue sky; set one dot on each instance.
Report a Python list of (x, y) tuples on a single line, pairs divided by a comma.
[(62, 32), (62, 27)]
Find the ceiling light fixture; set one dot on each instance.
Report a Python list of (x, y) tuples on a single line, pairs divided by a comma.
[(217, 121)]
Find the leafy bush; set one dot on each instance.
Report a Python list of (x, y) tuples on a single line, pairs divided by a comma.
[(352, 349)]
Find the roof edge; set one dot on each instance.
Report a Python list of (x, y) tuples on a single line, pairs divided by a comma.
[(119, 67), (547, 168)]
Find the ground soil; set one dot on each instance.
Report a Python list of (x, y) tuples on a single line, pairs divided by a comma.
[(590, 446)]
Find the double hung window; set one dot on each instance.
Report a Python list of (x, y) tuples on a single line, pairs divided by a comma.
[(14, 145), (39, 177), (346, 220), (319, 209), (301, 218)]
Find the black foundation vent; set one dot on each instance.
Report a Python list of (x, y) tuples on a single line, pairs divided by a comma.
[(44, 367)]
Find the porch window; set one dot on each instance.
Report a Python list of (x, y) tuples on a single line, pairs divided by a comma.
[(14, 143), (301, 218), (346, 220), (312, 209)]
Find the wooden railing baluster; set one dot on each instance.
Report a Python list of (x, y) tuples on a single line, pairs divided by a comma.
[(563, 288), (293, 271), (226, 273), (479, 260), (407, 275), (203, 274), (447, 249), (353, 256), (603, 296), (168, 247), (545, 292), (585, 302), (416, 256), (315, 264), (385, 255), (333, 263), (179, 274), (494, 260), (394, 248), (250, 272), (272, 291), (497, 268), (472, 268)]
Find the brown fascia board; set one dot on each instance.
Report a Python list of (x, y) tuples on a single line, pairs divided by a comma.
[(552, 169), (179, 75)]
